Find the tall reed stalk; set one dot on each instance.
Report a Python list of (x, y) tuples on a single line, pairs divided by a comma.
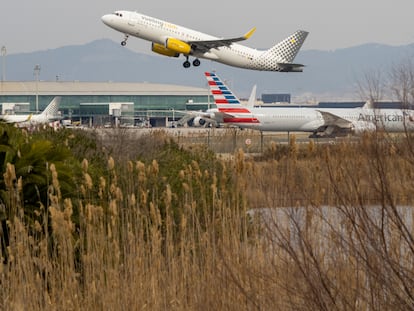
[(319, 227)]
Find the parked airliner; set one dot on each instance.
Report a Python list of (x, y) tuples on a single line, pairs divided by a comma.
[(48, 115), (319, 121), (169, 39)]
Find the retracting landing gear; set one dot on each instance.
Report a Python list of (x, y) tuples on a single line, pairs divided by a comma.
[(187, 64), (123, 43)]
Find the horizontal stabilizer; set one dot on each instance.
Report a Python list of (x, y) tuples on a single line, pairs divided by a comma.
[(289, 67)]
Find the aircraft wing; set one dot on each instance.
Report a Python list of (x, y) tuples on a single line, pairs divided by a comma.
[(332, 119), (188, 116), (206, 45), (209, 117)]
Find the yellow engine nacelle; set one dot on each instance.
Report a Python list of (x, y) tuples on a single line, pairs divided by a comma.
[(178, 46), (160, 49)]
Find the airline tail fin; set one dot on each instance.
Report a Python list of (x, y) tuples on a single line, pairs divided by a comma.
[(53, 107), (284, 52), (230, 107), (369, 104), (252, 98), (223, 96)]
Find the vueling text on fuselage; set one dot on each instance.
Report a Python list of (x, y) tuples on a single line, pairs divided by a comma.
[(153, 20)]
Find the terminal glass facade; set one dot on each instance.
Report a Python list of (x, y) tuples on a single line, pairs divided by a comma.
[(70, 105)]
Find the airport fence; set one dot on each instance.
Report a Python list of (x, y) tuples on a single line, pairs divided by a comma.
[(219, 140)]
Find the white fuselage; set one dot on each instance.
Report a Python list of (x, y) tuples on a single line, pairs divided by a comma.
[(158, 31), (15, 118), (286, 119), (50, 114), (367, 119), (27, 118), (298, 119)]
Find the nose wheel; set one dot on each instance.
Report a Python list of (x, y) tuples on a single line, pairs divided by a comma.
[(123, 43)]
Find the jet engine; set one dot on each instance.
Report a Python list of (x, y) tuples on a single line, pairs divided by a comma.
[(160, 49), (178, 46), (361, 127), (172, 48), (199, 122)]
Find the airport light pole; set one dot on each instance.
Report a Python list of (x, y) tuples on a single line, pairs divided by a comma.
[(37, 74), (168, 112), (3, 54), (173, 124), (208, 96)]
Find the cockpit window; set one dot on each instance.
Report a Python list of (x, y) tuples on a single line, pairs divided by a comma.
[(118, 14)]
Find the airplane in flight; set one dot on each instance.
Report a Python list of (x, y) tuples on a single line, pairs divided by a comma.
[(320, 122), (171, 40), (48, 115)]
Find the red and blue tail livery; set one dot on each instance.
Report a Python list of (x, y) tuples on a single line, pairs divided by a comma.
[(227, 103)]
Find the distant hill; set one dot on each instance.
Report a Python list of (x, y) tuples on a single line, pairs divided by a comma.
[(328, 74)]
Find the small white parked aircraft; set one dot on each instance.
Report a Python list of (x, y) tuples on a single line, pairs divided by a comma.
[(48, 115), (327, 122), (172, 40)]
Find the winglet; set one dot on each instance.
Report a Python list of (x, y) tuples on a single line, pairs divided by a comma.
[(249, 33)]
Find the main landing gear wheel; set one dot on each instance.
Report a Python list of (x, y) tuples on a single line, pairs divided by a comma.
[(187, 64)]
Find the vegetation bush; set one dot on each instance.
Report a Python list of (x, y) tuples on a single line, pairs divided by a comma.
[(148, 224)]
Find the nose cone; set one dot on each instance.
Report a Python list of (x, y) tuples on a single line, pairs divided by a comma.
[(106, 19)]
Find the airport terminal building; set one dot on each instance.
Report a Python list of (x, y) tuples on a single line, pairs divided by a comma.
[(103, 103)]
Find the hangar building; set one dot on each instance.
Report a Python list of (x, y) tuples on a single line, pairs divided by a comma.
[(99, 103)]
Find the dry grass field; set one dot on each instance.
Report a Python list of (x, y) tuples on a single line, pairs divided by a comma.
[(298, 226)]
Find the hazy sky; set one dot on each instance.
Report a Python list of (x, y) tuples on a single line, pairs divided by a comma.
[(32, 25)]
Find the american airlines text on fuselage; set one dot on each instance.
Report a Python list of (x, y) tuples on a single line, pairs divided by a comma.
[(382, 117)]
